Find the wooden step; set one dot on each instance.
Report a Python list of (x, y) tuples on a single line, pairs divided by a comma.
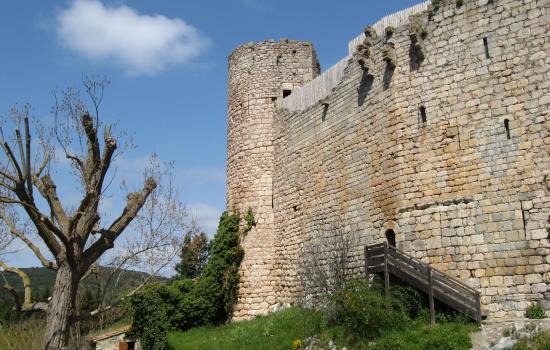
[(386, 259)]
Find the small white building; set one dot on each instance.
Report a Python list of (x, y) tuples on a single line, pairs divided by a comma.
[(115, 340)]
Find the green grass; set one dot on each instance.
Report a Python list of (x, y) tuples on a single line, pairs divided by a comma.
[(23, 335), (539, 341), (273, 332), (278, 331), (447, 336)]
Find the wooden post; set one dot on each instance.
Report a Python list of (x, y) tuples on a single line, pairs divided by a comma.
[(366, 263), (478, 311), (386, 272), (431, 296)]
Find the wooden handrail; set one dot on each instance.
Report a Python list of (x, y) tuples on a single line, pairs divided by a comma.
[(387, 259)]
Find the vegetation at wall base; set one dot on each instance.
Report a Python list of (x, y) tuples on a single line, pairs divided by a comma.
[(538, 341), (281, 330), (187, 303), (358, 317)]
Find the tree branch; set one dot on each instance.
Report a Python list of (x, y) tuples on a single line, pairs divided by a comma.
[(27, 300), (86, 217), (46, 229), (8, 176), (6, 186), (106, 241), (42, 166), (92, 161), (13, 161), (14, 231), (20, 146), (28, 174), (48, 190), (110, 147), (100, 310)]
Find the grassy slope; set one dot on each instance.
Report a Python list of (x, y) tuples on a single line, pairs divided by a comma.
[(278, 331), (273, 332)]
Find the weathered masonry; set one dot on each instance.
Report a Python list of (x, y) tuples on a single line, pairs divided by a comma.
[(434, 131)]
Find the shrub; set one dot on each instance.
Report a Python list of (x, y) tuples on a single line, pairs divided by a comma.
[(186, 303), (423, 33), (535, 312), (408, 300), (459, 3), (150, 320), (363, 309)]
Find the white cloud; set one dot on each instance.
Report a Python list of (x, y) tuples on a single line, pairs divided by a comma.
[(141, 44), (206, 215)]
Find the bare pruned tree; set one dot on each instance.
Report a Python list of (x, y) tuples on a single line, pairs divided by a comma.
[(76, 238), (157, 236), (325, 263)]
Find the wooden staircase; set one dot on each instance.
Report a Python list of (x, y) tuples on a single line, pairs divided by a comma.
[(386, 259)]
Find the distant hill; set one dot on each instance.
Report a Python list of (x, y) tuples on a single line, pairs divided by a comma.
[(42, 281)]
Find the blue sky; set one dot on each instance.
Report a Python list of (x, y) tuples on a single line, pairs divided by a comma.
[(167, 63)]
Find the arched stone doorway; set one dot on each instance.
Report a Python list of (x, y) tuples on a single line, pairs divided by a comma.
[(390, 237), (391, 233)]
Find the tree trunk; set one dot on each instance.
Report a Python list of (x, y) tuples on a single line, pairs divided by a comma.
[(61, 308)]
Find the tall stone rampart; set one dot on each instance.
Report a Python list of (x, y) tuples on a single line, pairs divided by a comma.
[(259, 74), (450, 151)]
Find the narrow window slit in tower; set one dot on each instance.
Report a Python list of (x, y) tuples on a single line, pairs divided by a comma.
[(507, 128), (286, 93), (423, 116), (486, 45), (458, 135), (325, 110), (295, 208), (523, 218)]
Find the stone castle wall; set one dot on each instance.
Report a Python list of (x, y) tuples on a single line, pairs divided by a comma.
[(258, 74), (467, 190)]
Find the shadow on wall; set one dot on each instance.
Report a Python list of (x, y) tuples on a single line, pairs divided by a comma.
[(364, 88), (388, 74)]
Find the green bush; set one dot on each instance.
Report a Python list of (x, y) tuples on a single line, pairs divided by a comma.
[(535, 312), (363, 309), (185, 303), (150, 316), (408, 300)]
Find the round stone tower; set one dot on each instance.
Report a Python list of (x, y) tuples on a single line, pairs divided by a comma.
[(259, 75)]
